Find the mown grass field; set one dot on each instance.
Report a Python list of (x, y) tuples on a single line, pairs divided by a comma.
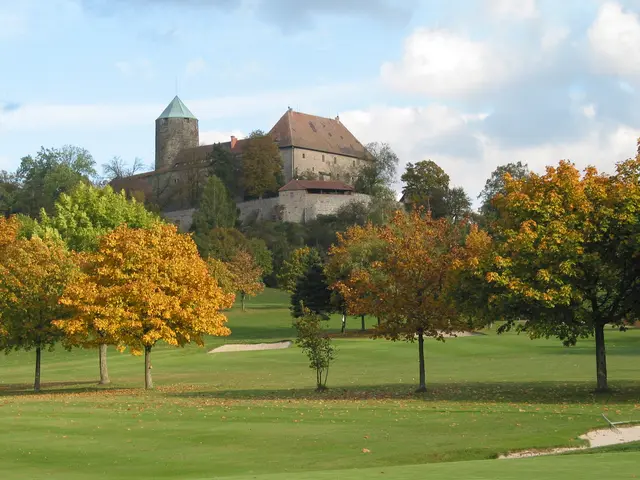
[(255, 414)]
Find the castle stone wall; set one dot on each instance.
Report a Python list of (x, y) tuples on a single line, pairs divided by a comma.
[(337, 167), (261, 209), (182, 218), (172, 136)]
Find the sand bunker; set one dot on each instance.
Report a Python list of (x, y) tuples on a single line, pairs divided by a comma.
[(596, 438), (249, 347)]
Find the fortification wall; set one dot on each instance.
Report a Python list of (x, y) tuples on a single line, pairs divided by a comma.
[(264, 209), (182, 218)]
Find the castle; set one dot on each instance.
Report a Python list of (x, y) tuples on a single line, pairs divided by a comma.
[(309, 146)]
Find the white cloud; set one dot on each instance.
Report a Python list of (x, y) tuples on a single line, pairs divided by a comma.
[(553, 36), (441, 63), (589, 111), (614, 40), (433, 132), (195, 66), (216, 136), (518, 9)]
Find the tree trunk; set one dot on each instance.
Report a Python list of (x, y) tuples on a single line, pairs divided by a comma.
[(423, 379), (242, 297), (104, 371), (363, 325), (378, 318), (601, 360), (344, 323), (36, 383), (148, 382)]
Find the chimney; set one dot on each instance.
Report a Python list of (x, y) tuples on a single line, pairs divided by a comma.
[(234, 140), (338, 118)]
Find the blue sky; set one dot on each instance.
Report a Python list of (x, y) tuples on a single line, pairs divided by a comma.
[(470, 84)]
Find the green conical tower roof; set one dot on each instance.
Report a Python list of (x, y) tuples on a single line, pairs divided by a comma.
[(177, 109)]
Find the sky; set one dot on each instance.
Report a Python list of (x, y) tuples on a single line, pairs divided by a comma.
[(469, 84)]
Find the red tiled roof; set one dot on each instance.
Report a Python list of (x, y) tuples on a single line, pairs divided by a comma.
[(316, 185), (295, 129)]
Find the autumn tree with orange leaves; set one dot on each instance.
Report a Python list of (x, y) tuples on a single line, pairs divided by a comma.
[(408, 284), (246, 275), (143, 286), (33, 275), (565, 257)]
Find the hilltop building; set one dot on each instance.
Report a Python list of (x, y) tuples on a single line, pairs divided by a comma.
[(309, 145)]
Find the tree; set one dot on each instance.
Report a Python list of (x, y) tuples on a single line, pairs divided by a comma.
[(379, 171), (312, 290), (296, 266), (50, 173), (408, 286), (143, 286), (496, 185), (216, 208), (246, 275), (118, 168), (9, 189), (564, 254), (224, 244), (33, 275), (426, 185), (458, 204), (81, 218), (261, 165), (225, 166), (221, 273), (316, 344)]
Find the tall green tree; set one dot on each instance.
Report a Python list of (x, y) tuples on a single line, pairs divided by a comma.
[(296, 266), (312, 291), (261, 165), (426, 185), (225, 166), (496, 185), (225, 243), (81, 218), (216, 209), (50, 173), (9, 190), (458, 204), (565, 254), (379, 171)]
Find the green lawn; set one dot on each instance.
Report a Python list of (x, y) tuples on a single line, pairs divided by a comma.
[(256, 415)]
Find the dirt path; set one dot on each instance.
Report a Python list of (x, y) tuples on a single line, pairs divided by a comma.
[(596, 438), (250, 347)]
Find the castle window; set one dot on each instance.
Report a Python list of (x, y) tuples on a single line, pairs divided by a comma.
[(335, 160), (354, 163), (323, 158), (313, 169), (304, 155)]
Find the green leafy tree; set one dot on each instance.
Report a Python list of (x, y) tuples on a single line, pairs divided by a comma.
[(81, 218), (225, 243), (216, 209), (296, 266), (261, 165), (50, 173), (496, 185), (458, 204), (315, 343), (225, 166), (380, 171), (312, 290), (563, 258), (426, 185)]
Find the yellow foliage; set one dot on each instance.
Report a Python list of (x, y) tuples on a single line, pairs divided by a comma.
[(143, 286)]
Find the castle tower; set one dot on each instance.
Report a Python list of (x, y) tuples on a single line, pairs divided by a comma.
[(176, 129)]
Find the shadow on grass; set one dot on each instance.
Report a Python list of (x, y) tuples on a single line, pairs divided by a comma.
[(503, 392), (12, 389)]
